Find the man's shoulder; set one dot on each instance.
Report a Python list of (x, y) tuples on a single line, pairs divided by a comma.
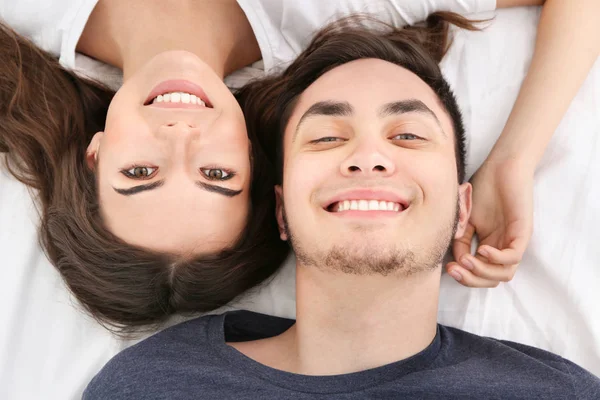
[(516, 365), (466, 344), (182, 350)]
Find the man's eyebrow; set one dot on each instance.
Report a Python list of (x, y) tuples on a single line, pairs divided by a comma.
[(330, 108), (408, 106), (218, 189), (140, 188)]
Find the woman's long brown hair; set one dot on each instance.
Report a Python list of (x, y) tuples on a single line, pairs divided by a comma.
[(48, 116)]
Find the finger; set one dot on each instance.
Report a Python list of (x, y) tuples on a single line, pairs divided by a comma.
[(508, 256), (485, 270), (520, 242), (462, 245), (466, 278)]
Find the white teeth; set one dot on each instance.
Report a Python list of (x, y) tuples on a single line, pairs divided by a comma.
[(363, 205), (367, 205), (341, 206), (179, 97)]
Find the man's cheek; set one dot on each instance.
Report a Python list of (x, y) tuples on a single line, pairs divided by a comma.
[(443, 185)]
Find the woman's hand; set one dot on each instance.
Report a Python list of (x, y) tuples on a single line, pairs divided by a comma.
[(502, 211), (502, 218)]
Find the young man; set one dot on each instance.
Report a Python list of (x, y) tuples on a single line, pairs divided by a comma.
[(372, 154)]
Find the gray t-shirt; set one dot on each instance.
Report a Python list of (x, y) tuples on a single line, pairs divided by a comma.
[(193, 361)]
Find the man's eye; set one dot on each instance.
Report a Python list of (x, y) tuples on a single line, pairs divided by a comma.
[(217, 174), (406, 136), (138, 172), (326, 139)]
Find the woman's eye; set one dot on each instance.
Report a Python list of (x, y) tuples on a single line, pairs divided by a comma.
[(406, 136), (217, 174), (139, 172)]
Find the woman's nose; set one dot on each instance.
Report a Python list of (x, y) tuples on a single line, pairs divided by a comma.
[(177, 130)]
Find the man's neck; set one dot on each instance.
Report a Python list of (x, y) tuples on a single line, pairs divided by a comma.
[(348, 323), (128, 34)]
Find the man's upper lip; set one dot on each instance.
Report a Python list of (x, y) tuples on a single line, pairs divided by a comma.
[(367, 194)]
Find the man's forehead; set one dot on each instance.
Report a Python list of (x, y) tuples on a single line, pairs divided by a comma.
[(368, 83)]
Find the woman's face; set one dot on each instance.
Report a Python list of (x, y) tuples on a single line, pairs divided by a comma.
[(173, 165)]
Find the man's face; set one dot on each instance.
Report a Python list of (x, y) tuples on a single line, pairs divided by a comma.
[(369, 181)]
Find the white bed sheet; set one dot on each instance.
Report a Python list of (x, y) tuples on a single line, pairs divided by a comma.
[(49, 349)]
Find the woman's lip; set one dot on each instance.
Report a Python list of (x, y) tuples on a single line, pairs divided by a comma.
[(178, 85)]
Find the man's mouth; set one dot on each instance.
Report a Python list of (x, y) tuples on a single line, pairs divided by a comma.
[(366, 205)]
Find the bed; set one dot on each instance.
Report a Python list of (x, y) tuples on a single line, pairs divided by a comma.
[(49, 349)]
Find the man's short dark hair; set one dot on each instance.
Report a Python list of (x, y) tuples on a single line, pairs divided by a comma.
[(269, 103)]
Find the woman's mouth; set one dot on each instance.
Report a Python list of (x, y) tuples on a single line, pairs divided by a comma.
[(177, 100), (178, 94)]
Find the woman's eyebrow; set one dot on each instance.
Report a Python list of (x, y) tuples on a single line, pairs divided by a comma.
[(205, 186), (140, 188), (218, 189)]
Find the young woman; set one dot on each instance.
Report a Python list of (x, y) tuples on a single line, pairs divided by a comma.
[(154, 200)]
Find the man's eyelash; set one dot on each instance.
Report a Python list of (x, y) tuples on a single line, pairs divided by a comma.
[(414, 137), (322, 140)]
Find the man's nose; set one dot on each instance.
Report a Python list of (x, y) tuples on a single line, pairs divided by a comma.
[(368, 159)]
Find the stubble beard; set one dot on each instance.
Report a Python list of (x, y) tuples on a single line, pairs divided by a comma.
[(356, 259)]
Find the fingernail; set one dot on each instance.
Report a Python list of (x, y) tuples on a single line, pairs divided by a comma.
[(465, 262), (455, 275), (484, 253)]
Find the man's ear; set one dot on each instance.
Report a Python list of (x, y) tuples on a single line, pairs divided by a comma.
[(279, 212), (465, 192), (91, 154)]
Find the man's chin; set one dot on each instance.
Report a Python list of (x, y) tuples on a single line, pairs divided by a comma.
[(368, 259)]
